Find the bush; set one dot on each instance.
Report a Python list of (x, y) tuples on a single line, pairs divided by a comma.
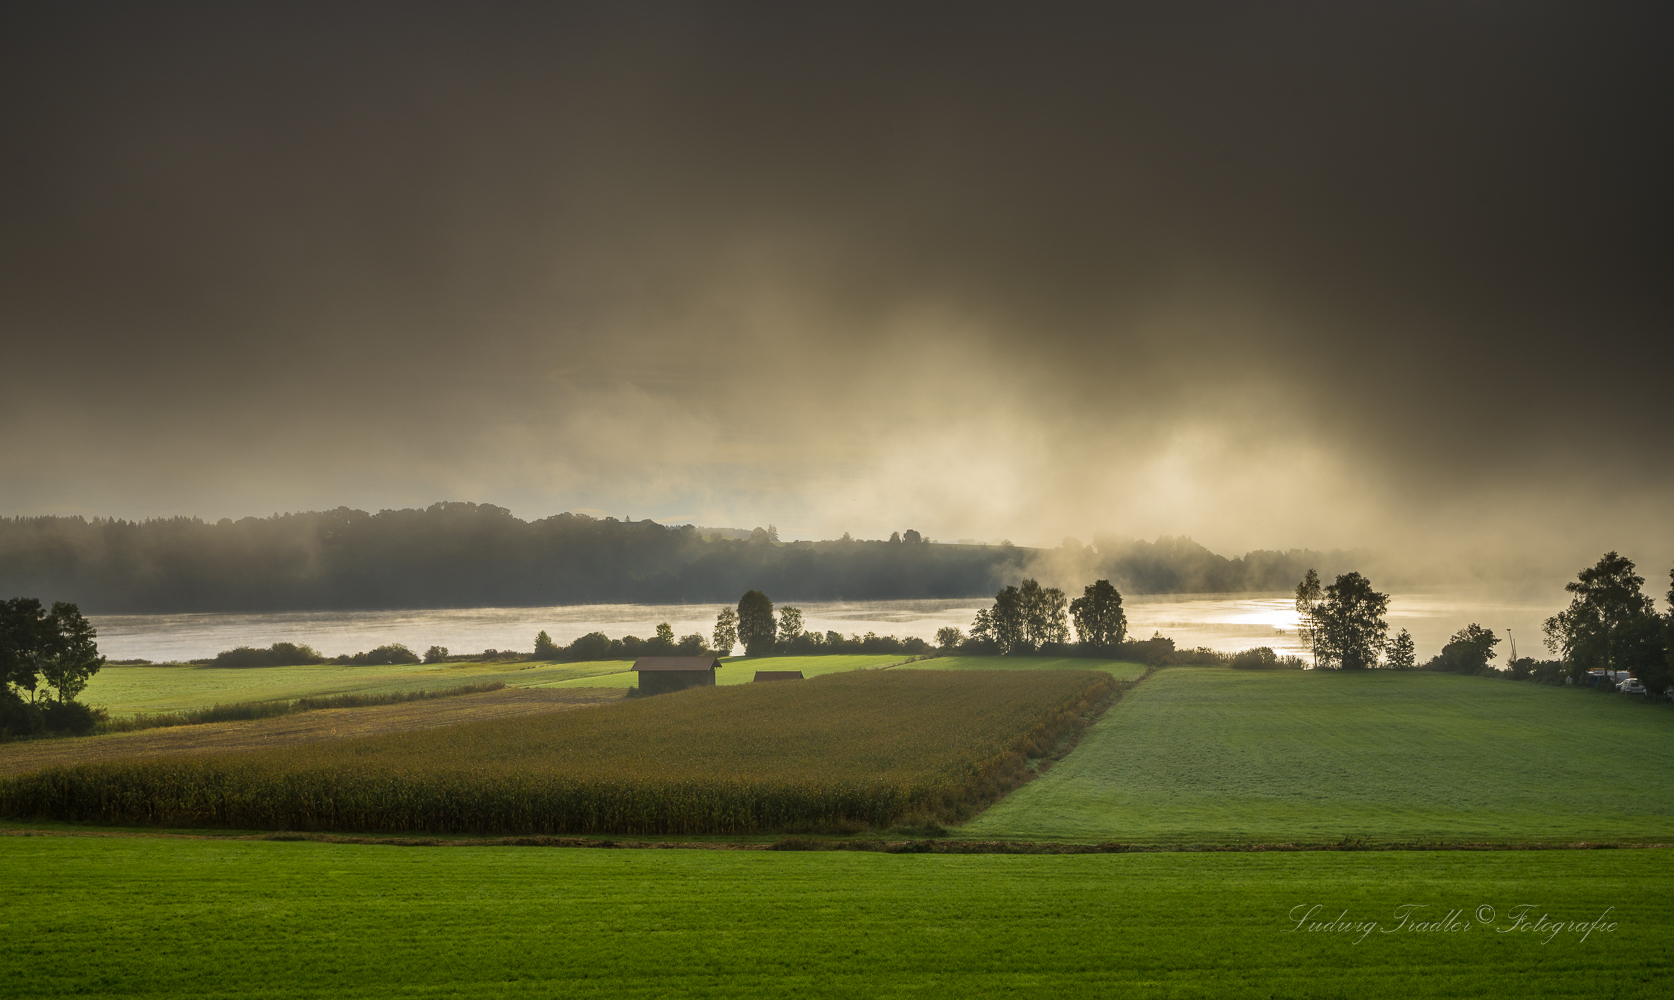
[(1151, 652), (545, 648), (1527, 668), (1202, 656), (280, 654), (592, 646), (20, 719), (383, 656)]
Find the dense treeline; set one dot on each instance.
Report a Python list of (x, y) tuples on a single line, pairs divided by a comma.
[(475, 555), (1178, 565), (454, 555)]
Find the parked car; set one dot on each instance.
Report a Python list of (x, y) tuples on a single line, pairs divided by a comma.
[(1631, 686)]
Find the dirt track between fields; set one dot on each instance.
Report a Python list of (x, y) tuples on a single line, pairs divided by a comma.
[(304, 727)]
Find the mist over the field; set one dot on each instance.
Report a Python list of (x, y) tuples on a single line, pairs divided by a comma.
[(1379, 276)]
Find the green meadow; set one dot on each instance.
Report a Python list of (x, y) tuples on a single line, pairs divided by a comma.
[(127, 690), (1210, 754), (150, 917), (130, 690)]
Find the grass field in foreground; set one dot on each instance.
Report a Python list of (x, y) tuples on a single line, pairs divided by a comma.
[(1206, 754), (140, 917), (127, 690), (843, 751)]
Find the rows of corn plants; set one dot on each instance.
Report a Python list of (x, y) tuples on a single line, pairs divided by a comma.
[(842, 752)]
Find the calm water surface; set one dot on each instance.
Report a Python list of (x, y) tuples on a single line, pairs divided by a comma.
[(1223, 622)]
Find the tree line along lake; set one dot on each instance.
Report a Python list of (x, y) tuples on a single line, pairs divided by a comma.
[(1222, 622)]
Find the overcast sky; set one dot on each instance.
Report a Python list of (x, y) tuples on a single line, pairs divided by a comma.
[(1391, 275)]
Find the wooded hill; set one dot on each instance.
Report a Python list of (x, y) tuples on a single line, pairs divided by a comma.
[(479, 555)]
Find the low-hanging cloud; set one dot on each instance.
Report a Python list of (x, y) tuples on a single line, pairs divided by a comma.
[(1389, 277)]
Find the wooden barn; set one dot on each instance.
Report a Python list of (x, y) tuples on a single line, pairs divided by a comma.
[(777, 675), (662, 674)]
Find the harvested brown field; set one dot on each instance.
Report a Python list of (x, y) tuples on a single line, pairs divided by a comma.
[(845, 751), (294, 730)]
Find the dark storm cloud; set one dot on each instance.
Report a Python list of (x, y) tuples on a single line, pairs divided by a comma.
[(1267, 275)]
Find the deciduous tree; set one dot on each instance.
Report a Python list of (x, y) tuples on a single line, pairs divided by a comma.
[(1402, 653), (1468, 652), (1308, 596), (56, 648), (790, 625), (1609, 622), (1348, 626), (662, 644), (756, 627), (1100, 621), (545, 648), (725, 635)]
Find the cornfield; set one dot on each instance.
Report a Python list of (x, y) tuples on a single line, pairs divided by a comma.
[(844, 751)]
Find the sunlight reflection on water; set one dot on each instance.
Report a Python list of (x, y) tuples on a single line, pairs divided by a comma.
[(1224, 622)]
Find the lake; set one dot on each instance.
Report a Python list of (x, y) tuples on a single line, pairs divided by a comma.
[(1224, 622)]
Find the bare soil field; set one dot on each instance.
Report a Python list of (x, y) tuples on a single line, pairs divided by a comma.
[(291, 730)]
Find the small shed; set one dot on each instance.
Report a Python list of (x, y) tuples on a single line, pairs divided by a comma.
[(777, 675), (662, 674)]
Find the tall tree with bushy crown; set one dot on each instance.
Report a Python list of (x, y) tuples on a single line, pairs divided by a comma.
[(756, 627), (1100, 622), (1609, 624), (1349, 626)]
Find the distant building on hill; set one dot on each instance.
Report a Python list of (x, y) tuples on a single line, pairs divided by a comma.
[(778, 675), (662, 674)]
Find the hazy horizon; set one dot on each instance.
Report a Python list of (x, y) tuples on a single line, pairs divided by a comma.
[(1392, 277)]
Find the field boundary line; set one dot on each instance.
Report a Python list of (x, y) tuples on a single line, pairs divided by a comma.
[(809, 845)]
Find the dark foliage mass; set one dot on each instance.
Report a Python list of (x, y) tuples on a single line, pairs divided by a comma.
[(46, 658), (454, 555), (1177, 565), (290, 654), (474, 555), (1610, 625)]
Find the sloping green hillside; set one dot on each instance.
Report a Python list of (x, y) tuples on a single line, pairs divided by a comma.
[(1213, 754)]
